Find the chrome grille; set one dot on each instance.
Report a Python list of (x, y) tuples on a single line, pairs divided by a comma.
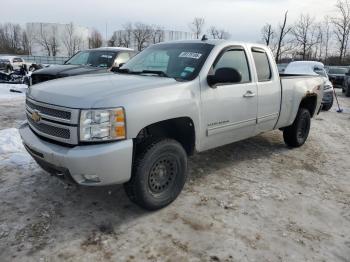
[(50, 130), (56, 123), (49, 111)]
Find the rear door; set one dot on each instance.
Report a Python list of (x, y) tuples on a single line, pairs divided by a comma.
[(269, 90), (229, 110)]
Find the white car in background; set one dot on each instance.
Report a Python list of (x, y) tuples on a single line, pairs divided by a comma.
[(10, 63), (313, 68)]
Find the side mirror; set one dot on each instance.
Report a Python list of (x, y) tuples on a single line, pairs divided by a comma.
[(224, 75), (116, 67)]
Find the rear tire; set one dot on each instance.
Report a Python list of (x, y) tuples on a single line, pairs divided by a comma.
[(159, 174), (296, 134)]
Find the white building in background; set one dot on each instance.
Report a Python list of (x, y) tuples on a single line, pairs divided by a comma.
[(163, 36), (62, 33)]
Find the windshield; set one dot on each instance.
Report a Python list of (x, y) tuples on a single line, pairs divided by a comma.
[(320, 72), (181, 61), (93, 58), (338, 71)]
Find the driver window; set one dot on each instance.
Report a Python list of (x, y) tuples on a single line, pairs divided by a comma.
[(236, 59)]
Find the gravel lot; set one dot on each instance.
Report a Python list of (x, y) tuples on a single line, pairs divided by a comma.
[(254, 200)]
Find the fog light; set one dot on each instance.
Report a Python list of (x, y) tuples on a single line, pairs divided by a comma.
[(91, 178)]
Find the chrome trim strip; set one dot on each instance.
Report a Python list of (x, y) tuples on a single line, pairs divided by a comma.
[(230, 126), (74, 112)]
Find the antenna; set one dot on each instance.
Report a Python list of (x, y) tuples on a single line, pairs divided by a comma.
[(204, 38)]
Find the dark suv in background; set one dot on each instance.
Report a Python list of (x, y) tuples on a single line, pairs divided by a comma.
[(91, 61), (346, 84), (337, 75)]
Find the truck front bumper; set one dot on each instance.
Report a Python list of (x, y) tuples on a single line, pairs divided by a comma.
[(327, 97), (91, 165)]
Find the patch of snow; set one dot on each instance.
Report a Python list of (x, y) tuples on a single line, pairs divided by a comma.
[(12, 151), (6, 94)]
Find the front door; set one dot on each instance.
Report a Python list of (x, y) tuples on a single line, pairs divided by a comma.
[(229, 110)]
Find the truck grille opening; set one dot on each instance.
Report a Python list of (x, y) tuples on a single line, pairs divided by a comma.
[(50, 130), (52, 122), (50, 111), (36, 78)]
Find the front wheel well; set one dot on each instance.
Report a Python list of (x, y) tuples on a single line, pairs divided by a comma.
[(309, 102), (181, 129)]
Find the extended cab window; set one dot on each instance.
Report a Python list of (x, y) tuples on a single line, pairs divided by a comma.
[(262, 65), (17, 60), (236, 59)]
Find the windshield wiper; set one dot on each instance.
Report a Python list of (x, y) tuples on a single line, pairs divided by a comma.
[(156, 72)]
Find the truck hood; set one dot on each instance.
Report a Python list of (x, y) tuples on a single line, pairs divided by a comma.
[(68, 70), (94, 91)]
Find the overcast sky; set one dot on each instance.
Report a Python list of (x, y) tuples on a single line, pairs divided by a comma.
[(242, 18)]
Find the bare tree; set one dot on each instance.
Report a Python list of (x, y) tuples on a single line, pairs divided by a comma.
[(341, 24), (267, 34), (53, 41), (197, 26), (284, 30), (11, 38), (127, 35), (157, 34), (95, 39), (71, 40), (43, 39), (303, 32), (28, 39), (218, 33), (142, 34), (326, 36)]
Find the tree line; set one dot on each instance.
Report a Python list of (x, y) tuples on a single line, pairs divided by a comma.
[(325, 39), (16, 40)]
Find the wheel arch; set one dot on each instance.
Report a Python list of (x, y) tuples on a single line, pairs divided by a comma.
[(182, 129)]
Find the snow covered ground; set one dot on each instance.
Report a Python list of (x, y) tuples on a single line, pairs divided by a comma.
[(6, 94), (255, 200)]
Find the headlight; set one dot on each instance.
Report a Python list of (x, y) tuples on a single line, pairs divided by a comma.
[(102, 125), (326, 87)]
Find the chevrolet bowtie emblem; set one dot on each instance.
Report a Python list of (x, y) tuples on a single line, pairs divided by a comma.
[(36, 116)]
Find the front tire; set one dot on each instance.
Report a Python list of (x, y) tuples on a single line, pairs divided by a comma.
[(296, 134), (159, 174)]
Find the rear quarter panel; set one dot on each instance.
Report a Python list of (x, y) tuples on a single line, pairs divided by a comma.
[(294, 90)]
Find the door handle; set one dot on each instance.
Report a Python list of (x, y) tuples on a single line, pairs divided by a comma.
[(249, 94)]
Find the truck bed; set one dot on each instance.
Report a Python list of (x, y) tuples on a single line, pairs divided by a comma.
[(294, 88)]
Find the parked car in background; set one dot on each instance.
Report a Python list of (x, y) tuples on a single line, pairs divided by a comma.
[(337, 75), (314, 68), (91, 61), (282, 67), (139, 125), (346, 84), (10, 63)]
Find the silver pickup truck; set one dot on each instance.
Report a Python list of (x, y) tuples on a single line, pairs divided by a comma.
[(138, 126)]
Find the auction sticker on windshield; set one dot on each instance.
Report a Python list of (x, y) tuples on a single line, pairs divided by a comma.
[(190, 55)]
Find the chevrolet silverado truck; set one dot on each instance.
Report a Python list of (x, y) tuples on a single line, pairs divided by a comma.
[(138, 126)]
